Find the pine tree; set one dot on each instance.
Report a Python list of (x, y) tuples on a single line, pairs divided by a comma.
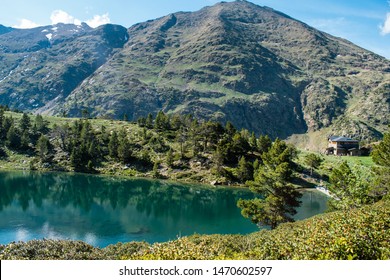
[(76, 158), (218, 161), (7, 123), (3, 153), (230, 129), (25, 141), (149, 121), (44, 149), (264, 143), (381, 156), (169, 158), (25, 123), (210, 133), (94, 152), (194, 135), (175, 122), (86, 132), (124, 147), (79, 156), (272, 182), (113, 145), (41, 125), (141, 122), (161, 122), (103, 140), (381, 152), (313, 161), (13, 138), (349, 188), (253, 142), (239, 146), (244, 170)]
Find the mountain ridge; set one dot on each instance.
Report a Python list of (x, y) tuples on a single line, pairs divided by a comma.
[(235, 61)]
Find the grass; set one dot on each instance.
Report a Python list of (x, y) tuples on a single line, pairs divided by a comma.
[(361, 161), (320, 176), (15, 161), (365, 161), (96, 123)]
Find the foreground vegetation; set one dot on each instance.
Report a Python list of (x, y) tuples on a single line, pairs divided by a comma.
[(362, 233)]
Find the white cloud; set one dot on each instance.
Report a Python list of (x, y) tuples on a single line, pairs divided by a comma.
[(385, 28), (26, 24), (59, 16), (98, 20)]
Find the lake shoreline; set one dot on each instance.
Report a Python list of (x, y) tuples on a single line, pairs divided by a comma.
[(124, 176), (135, 209)]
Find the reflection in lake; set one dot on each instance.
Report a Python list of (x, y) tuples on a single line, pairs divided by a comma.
[(104, 210)]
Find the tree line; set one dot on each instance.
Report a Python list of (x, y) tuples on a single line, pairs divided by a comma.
[(171, 137)]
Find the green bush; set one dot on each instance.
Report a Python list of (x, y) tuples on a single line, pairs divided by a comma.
[(51, 250)]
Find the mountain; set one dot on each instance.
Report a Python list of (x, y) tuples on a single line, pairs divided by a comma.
[(4, 29), (236, 61), (45, 64)]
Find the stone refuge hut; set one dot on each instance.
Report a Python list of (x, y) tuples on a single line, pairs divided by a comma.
[(343, 146)]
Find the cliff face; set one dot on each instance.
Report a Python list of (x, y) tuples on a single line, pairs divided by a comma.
[(236, 61)]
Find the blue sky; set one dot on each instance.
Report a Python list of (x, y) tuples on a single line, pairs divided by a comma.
[(363, 22)]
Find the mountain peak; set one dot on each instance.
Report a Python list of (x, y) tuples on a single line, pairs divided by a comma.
[(234, 61)]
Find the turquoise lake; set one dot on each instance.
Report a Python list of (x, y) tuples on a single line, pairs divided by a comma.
[(102, 210)]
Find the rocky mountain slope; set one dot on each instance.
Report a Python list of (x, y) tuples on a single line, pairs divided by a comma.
[(236, 61), (43, 65)]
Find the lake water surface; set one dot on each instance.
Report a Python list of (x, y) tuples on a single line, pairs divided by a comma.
[(103, 210)]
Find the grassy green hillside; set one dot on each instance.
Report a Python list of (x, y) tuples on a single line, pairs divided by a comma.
[(184, 149)]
